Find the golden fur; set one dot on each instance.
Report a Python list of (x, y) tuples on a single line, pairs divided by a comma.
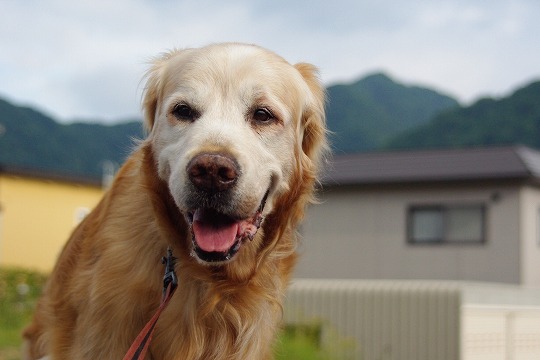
[(107, 282)]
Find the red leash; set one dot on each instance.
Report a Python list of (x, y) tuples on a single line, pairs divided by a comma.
[(140, 346)]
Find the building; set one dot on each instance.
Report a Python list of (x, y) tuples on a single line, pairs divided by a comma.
[(468, 214), (38, 211)]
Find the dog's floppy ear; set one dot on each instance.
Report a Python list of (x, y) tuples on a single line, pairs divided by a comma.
[(154, 88), (313, 127)]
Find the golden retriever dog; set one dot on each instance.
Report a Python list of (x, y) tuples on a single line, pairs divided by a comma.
[(235, 138)]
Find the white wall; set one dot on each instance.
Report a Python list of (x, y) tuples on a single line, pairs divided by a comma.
[(500, 332), (361, 233), (530, 236)]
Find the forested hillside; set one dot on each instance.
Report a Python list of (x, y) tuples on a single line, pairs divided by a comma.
[(375, 113), (511, 120), (366, 114), (32, 140)]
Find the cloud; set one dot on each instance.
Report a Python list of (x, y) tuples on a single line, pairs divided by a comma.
[(85, 59)]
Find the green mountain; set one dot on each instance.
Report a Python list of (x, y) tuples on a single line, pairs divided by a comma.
[(32, 140), (511, 120), (361, 116), (366, 114), (375, 113)]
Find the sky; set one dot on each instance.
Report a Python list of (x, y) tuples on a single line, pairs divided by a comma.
[(84, 59)]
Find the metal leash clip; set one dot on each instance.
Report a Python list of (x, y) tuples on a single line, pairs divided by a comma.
[(170, 275)]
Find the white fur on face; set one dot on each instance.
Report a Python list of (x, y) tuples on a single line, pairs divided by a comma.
[(226, 85)]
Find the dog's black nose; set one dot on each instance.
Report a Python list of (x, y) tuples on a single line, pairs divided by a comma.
[(212, 172)]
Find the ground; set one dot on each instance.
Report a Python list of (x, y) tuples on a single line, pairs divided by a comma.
[(20, 289)]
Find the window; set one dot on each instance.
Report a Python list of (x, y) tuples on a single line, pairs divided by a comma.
[(446, 224)]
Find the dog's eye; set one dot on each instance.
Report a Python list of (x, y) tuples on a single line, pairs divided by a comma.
[(263, 116), (184, 112)]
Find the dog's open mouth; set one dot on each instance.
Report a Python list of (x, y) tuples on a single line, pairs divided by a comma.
[(217, 237)]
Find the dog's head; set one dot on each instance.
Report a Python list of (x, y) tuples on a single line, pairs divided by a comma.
[(233, 128)]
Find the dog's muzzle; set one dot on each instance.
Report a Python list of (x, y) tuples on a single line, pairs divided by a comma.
[(217, 234)]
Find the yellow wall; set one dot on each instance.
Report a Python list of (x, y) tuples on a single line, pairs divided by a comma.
[(37, 217)]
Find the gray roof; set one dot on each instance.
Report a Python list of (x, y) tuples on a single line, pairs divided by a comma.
[(496, 163)]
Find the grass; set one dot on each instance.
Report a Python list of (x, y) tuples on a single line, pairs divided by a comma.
[(300, 343), (20, 290)]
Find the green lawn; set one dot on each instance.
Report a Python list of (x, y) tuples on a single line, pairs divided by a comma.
[(20, 289), (300, 342)]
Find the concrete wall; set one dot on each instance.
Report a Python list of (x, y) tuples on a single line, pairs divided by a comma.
[(361, 233), (500, 333), (431, 320)]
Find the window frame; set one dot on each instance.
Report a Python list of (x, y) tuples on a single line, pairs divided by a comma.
[(444, 209)]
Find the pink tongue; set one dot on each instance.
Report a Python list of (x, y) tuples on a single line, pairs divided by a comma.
[(214, 232)]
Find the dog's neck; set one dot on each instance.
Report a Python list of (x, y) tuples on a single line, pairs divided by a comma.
[(246, 287)]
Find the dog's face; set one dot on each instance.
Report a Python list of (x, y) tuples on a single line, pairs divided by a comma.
[(229, 131)]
